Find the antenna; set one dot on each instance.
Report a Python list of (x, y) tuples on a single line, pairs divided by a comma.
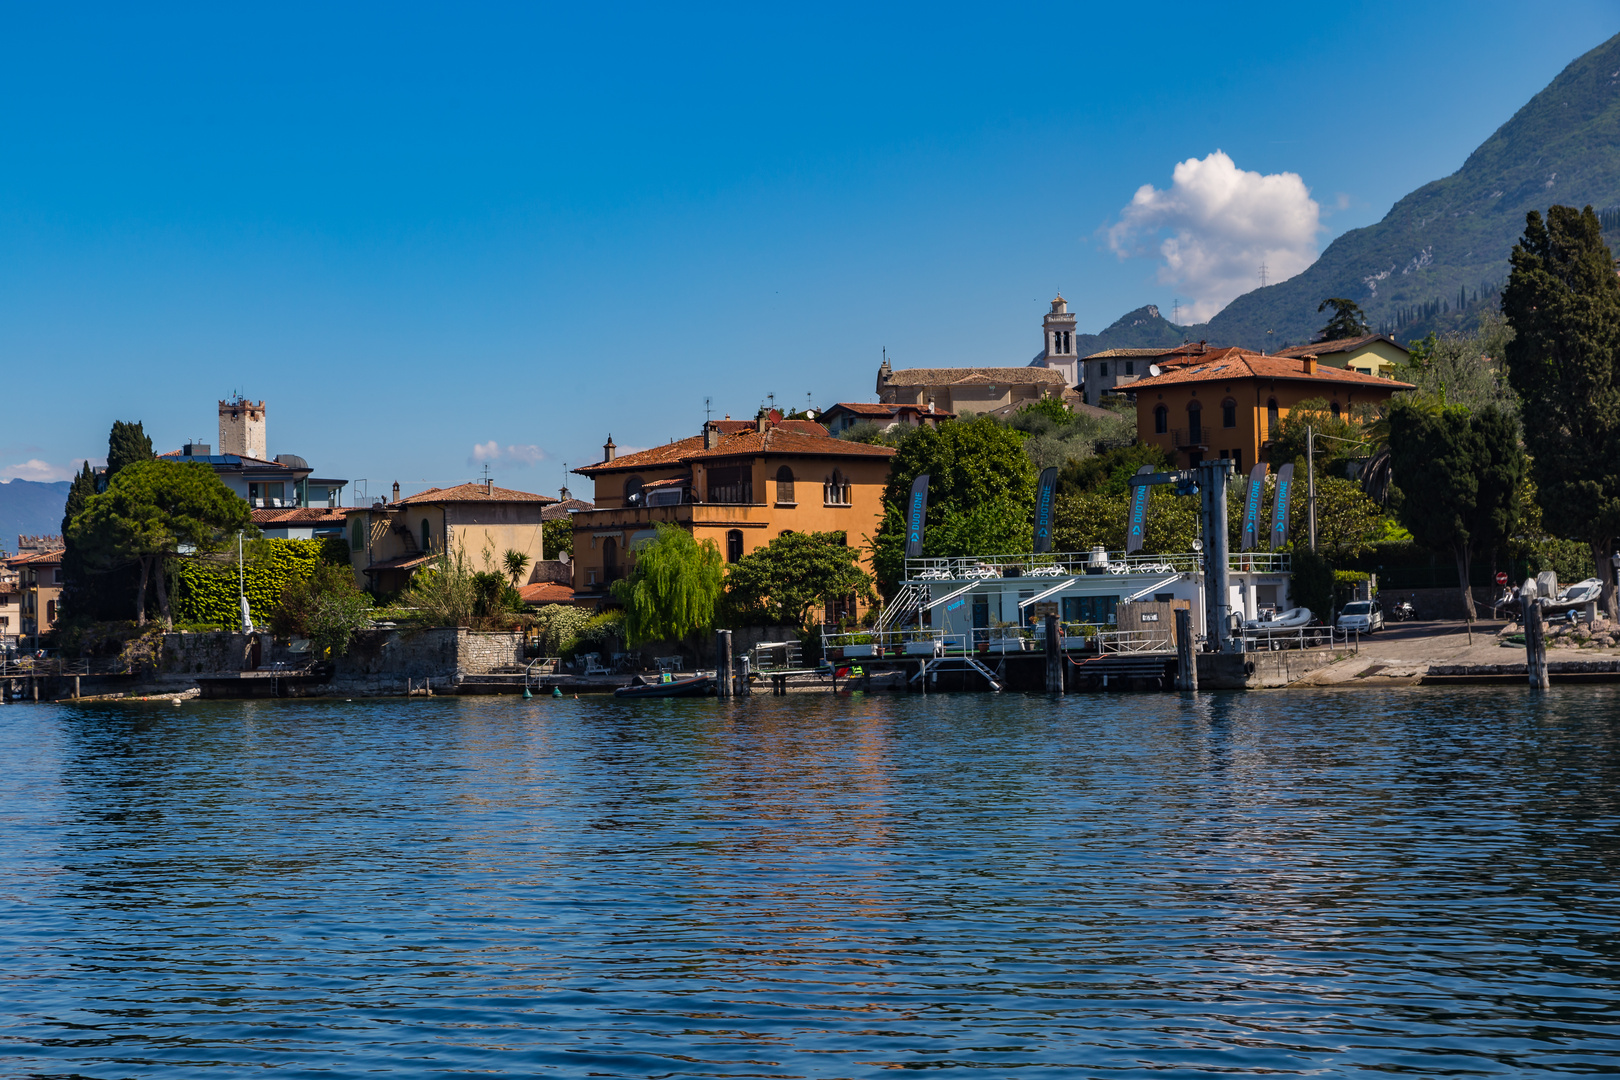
[(772, 398), (707, 410), (1262, 275)]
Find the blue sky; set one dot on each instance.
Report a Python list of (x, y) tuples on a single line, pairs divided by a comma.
[(419, 230)]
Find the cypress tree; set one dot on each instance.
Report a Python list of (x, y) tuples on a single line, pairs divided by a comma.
[(1563, 302), (126, 444)]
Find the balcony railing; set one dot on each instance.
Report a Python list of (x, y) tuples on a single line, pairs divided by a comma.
[(1189, 438), (1078, 563)]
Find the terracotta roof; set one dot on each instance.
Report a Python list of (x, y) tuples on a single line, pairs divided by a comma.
[(1224, 365), (674, 481), (1338, 345), (472, 493), (547, 592), (774, 440), (1193, 348), (954, 376), (305, 515), (559, 511), (777, 441), (46, 557), (889, 411)]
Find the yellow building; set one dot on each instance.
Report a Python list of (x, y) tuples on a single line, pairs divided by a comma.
[(1372, 354), (976, 390), (389, 540), (738, 483), (1230, 403), (32, 588)]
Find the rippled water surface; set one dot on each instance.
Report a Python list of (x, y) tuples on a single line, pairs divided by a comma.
[(1411, 882)]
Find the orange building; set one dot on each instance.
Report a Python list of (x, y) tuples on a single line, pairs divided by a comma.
[(739, 483), (1229, 404)]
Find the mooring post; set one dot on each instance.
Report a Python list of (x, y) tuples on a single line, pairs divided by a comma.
[(722, 663), (1054, 658), (1186, 661), (1535, 642)]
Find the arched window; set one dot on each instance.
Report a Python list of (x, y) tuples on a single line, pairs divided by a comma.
[(1228, 413), (1195, 422), (784, 485), (734, 546), (357, 535), (632, 491), (835, 490), (427, 537), (1335, 409), (610, 559), (1161, 420), (1271, 418)]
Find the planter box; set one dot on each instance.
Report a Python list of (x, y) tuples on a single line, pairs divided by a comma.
[(859, 652), (919, 648)]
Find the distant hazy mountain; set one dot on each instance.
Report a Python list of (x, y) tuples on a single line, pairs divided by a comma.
[(1143, 328), (31, 508), (1441, 254)]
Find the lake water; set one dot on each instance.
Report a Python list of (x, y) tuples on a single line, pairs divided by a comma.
[(1320, 883)]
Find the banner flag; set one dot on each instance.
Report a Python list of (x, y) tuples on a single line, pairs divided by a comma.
[(1279, 512), (1044, 494), (1137, 530), (1253, 508), (916, 516)]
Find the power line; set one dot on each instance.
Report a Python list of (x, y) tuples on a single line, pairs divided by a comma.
[(1262, 275)]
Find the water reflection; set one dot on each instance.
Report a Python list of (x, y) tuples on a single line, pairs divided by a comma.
[(1329, 883)]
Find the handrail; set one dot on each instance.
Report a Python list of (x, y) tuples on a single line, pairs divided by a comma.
[(1076, 563)]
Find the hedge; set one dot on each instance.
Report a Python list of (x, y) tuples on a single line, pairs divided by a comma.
[(206, 591)]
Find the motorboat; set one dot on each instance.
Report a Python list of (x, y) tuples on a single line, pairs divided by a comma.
[(1292, 619), (698, 685), (1577, 595)]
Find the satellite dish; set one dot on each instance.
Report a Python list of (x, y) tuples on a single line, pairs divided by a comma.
[(1153, 369)]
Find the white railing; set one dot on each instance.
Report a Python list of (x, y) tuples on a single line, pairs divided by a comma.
[(1301, 637), (1077, 563)]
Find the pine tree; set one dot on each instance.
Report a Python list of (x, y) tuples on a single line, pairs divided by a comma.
[(1563, 301), (126, 444), (1347, 320)]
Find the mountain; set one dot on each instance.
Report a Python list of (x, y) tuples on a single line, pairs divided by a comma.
[(1446, 244), (1143, 328), (30, 508)]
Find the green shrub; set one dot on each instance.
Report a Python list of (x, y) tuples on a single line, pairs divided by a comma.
[(205, 589)]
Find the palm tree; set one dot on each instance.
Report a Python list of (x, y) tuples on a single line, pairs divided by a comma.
[(516, 563)]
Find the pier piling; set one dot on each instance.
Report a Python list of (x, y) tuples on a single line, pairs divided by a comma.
[(722, 663), (1054, 657), (1186, 662)]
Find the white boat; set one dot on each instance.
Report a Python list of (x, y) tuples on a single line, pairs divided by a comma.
[(1292, 619)]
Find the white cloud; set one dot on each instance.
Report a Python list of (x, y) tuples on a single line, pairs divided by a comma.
[(1215, 225), (35, 469), (518, 455)]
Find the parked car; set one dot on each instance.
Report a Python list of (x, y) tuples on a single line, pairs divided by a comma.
[(1362, 615)]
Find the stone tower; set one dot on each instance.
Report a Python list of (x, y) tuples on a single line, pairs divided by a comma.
[(1059, 327), (241, 429)]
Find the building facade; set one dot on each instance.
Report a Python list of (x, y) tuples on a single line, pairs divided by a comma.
[(1105, 373), (1229, 404), (389, 541), (1057, 345), (1372, 354), (739, 484), (960, 390)]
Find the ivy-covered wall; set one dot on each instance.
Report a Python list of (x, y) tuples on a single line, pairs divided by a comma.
[(205, 592)]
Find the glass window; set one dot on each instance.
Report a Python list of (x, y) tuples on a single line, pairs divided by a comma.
[(1271, 417), (734, 545), (1229, 413), (1161, 420), (1089, 609), (427, 537), (632, 491), (1102, 369), (1130, 367)]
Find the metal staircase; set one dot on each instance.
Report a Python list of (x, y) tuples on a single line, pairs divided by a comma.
[(911, 597)]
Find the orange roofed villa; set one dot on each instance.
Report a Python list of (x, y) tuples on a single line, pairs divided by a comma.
[(1229, 403), (389, 540), (739, 483)]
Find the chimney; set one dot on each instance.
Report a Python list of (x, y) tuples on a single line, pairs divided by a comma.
[(761, 422), (711, 437), (396, 491), (609, 451), (489, 486), (563, 492), (1309, 360)]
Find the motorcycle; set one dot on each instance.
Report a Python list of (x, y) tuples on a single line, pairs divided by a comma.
[(1402, 611)]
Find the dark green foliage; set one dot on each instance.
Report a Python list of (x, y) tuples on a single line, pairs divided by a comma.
[(325, 607), (1056, 435), (1340, 440), (980, 500), (1313, 583), (1464, 367), (150, 510), (1051, 408), (209, 590), (1459, 473), (335, 550), (1347, 321), (673, 588), (557, 537), (787, 580), (494, 596), (1110, 471), (84, 486), (126, 444), (1563, 302)]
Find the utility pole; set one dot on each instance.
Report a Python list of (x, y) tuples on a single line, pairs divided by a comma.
[(1310, 484)]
